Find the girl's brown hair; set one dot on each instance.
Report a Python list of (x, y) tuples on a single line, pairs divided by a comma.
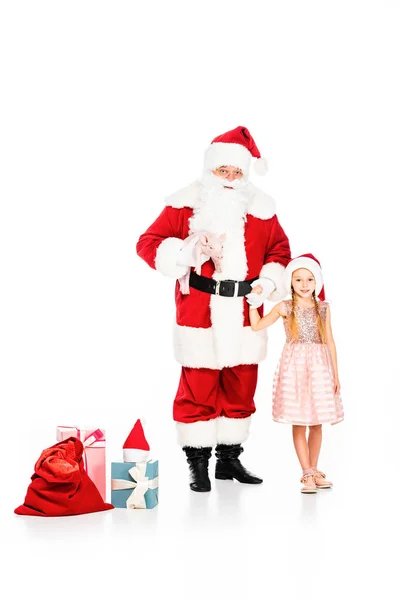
[(293, 326)]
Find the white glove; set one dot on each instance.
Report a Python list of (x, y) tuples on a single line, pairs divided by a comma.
[(268, 287), (186, 255)]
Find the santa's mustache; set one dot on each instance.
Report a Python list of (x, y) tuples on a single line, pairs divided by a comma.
[(212, 181)]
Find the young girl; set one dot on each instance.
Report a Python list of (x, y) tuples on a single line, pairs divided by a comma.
[(306, 386)]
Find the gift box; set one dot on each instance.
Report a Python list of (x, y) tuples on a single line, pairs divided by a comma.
[(94, 455), (134, 484)]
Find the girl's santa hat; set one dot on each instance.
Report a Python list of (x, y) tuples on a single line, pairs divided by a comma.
[(235, 148), (305, 261), (136, 447)]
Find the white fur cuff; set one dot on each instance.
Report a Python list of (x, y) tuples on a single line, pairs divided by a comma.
[(275, 272), (232, 431), (167, 256), (200, 434)]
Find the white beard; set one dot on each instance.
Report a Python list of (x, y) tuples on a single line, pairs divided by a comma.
[(221, 210)]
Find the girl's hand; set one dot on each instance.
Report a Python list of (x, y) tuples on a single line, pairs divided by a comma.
[(257, 289), (337, 386)]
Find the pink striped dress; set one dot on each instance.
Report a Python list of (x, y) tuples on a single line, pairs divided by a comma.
[(304, 380)]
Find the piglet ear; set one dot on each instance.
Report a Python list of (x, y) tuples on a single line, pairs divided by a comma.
[(222, 237), (203, 238)]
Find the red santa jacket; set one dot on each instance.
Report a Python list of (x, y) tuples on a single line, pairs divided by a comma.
[(214, 331)]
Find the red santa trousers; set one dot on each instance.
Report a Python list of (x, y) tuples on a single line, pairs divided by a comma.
[(216, 405)]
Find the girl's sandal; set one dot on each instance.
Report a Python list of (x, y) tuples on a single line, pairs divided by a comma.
[(309, 486), (320, 481)]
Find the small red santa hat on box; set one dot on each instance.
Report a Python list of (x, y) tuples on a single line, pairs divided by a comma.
[(136, 447), (235, 148), (309, 262)]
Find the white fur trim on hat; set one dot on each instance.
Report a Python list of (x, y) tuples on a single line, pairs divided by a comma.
[(303, 262), (221, 154), (134, 455), (261, 166)]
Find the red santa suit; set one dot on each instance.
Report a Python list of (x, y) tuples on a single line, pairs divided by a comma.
[(213, 340)]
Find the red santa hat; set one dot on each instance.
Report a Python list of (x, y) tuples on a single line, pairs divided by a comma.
[(136, 447), (309, 262), (60, 485), (235, 148)]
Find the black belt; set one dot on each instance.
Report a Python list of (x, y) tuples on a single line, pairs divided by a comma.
[(229, 287)]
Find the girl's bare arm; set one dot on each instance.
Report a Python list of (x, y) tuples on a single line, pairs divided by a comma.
[(330, 342), (257, 323)]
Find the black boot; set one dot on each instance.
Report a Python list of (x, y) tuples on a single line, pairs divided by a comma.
[(229, 466), (198, 462)]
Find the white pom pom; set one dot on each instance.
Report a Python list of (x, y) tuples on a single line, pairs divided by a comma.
[(261, 166)]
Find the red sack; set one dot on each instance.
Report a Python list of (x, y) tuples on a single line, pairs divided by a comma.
[(60, 485)]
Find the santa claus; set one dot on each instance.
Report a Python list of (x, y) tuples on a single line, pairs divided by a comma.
[(213, 340)]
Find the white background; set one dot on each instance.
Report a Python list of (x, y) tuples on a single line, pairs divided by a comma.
[(106, 108)]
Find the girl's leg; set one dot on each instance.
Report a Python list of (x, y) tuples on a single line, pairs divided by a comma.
[(301, 446), (314, 444)]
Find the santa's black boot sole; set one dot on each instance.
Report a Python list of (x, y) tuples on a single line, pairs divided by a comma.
[(198, 464), (229, 467)]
